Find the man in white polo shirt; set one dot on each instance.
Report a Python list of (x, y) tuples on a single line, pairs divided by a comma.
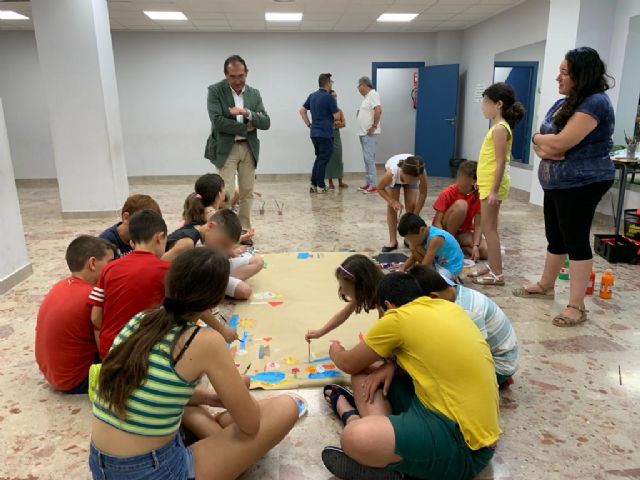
[(369, 115)]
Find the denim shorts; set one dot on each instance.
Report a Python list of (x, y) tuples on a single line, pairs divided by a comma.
[(174, 461)]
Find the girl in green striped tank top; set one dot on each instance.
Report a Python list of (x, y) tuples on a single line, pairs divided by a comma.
[(147, 389)]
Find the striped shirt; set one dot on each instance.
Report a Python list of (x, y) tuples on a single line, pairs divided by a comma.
[(494, 325), (155, 408)]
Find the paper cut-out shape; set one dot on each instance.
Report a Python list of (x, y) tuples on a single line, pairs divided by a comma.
[(264, 351), (247, 322), (320, 360), (267, 339), (265, 296), (325, 374), (268, 377), (328, 366), (303, 255), (275, 303), (311, 369), (273, 365), (291, 361), (233, 321)]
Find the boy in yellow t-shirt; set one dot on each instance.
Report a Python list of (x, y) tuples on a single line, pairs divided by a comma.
[(437, 413)]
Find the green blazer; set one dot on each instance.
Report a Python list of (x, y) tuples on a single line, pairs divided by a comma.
[(225, 127)]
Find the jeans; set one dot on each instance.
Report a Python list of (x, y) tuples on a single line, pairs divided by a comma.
[(324, 149), (173, 461), (369, 143)]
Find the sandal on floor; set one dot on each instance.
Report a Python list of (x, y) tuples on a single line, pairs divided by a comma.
[(479, 271), (563, 320), (346, 468), (338, 391), (489, 278), (544, 293), (389, 249)]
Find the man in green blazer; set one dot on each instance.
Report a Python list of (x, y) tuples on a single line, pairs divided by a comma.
[(236, 112)]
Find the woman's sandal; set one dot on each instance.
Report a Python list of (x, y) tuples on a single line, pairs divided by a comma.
[(563, 320), (391, 248), (522, 292), (489, 278), (338, 391)]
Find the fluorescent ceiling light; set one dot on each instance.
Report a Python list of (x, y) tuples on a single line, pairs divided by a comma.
[(11, 15), (282, 17), (165, 15), (397, 17)]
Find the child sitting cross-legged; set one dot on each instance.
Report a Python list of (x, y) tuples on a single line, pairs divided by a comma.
[(148, 385), (358, 278), (118, 234), (65, 342), (458, 212), (132, 283), (488, 317), (436, 415), (221, 232), (430, 246)]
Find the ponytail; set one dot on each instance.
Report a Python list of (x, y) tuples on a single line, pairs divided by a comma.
[(209, 186), (512, 111), (412, 166), (127, 364), (193, 211), (513, 114), (195, 282)]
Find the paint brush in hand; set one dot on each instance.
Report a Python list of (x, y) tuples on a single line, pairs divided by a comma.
[(309, 348)]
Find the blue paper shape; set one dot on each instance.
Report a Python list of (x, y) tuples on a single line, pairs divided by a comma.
[(268, 377), (303, 255)]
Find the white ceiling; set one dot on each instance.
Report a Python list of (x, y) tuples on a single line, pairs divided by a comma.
[(319, 15)]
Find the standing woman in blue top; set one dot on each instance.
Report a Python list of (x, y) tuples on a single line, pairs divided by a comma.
[(575, 172), (324, 112)]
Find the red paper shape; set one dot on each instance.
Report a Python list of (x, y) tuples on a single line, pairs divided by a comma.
[(275, 303), (267, 339)]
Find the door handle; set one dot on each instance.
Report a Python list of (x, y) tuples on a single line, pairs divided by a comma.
[(452, 121)]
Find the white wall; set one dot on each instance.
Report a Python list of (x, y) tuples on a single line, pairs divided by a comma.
[(399, 116), (521, 175), (522, 25), (162, 83), (12, 243), (628, 84), (25, 106)]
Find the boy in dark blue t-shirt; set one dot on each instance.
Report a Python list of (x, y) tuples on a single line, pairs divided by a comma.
[(118, 234)]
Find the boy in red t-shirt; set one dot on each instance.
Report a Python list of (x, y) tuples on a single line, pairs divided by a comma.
[(65, 341), (458, 212), (132, 283)]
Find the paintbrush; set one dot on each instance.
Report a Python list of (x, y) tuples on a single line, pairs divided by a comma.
[(309, 348), (247, 369)]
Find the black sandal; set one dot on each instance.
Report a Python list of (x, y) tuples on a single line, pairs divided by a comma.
[(387, 249), (338, 391), (346, 468)]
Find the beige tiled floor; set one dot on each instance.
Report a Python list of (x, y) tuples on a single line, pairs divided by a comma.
[(567, 416)]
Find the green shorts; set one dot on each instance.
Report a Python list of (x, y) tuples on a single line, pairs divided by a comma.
[(430, 444)]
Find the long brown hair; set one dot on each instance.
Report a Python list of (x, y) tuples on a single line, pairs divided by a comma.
[(193, 210), (365, 275), (195, 282), (589, 73)]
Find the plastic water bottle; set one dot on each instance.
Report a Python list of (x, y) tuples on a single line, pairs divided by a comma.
[(592, 284), (606, 285), (564, 271)]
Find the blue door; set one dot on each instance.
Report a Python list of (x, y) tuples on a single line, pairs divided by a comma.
[(522, 77), (436, 113)]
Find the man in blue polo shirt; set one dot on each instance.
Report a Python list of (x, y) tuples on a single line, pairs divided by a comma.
[(324, 111)]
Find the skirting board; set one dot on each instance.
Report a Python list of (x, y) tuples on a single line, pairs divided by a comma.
[(15, 278)]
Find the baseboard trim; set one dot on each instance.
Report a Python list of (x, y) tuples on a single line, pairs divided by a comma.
[(90, 214), (15, 278)]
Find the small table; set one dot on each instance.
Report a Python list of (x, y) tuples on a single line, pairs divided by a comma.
[(625, 165)]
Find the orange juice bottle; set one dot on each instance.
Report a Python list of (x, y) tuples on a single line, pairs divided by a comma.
[(606, 285)]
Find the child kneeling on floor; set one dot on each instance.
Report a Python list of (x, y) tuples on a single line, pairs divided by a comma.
[(148, 381), (436, 416), (358, 278), (431, 246), (221, 232), (488, 317)]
